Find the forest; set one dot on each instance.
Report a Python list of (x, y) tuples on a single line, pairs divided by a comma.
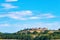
[(46, 35)]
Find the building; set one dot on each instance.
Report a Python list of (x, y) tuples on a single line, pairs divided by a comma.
[(35, 29)]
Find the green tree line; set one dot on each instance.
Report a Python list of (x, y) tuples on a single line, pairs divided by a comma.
[(31, 36)]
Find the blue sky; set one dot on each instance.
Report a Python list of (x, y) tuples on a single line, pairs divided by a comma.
[(16, 15)]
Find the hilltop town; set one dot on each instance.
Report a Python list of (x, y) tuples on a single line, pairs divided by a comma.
[(33, 34), (34, 29), (38, 30)]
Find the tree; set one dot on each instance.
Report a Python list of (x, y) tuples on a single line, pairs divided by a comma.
[(28, 37), (45, 32), (59, 29), (28, 32), (35, 32), (42, 38)]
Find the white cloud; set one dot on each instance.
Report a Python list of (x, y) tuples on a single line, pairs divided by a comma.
[(8, 6), (19, 26), (48, 25), (52, 25), (4, 25), (11, 0), (34, 18), (48, 15), (19, 15), (43, 16), (2, 16), (27, 15)]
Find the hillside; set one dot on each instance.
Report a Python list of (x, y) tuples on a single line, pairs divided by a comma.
[(32, 34)]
